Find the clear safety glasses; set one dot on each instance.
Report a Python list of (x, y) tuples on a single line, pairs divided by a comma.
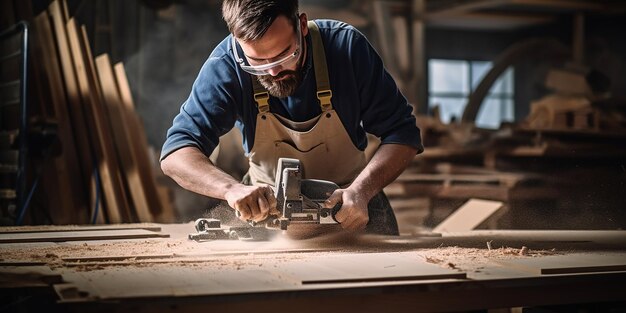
[(263, 69)]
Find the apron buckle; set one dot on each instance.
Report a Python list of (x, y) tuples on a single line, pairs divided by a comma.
[(261, 99), (324, 97)]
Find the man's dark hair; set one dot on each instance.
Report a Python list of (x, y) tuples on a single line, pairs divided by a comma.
[(250, 19)]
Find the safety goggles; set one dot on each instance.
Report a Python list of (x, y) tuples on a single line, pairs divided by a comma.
[(263, 69)]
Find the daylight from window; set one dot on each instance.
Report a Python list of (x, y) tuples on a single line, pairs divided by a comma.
[(451, 82)]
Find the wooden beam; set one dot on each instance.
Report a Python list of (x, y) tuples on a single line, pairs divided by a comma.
[(75, 108), (104, 150), (162, 212), (79, 236), (71, 207), (124, 138)]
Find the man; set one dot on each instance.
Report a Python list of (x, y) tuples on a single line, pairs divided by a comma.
[(297, 89)]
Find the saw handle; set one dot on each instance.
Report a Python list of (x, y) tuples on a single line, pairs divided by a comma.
[(333, 211), (336, 209), (250, 222)]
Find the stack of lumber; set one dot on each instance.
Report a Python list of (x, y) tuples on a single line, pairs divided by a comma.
[(103, 171)]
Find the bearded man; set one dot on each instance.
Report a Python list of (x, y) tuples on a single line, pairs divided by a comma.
[(308, 90)]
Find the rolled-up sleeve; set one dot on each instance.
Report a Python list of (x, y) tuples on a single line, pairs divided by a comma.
[(385, 112), (210, 110)]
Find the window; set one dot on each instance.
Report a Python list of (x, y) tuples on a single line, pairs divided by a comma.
[(451, 81)]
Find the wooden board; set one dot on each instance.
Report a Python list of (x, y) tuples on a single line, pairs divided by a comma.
[(112, 184), (79, 236), (366, 267), (124, 139), (469, 216), (71, 206), (27, 277), (140, 149), (39, 229), (569, 264), (76, 111), (220, 278), (129, 283)]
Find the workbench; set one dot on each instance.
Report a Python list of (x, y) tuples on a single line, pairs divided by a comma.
[(155, 268)]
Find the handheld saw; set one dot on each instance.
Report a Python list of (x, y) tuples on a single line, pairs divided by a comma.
[(299, 201)]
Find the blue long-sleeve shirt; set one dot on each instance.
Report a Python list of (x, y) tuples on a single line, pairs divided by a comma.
[(365, 96)]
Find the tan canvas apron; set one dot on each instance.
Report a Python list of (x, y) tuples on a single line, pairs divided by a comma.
[(322, 144)]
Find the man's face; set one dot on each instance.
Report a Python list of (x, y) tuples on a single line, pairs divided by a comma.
[(280, 42)]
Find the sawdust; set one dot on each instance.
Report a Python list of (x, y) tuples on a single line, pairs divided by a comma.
[(53, 253), (144, 253), (474, 259), (231, 262)]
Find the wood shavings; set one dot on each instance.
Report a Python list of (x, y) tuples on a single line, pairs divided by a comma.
[(473, 259), (523, 251)]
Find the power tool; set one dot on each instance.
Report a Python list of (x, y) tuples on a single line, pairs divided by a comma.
[(299, 201)]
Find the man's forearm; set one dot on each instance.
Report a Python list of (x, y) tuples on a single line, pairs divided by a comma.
[(193, 170), (385, 166)]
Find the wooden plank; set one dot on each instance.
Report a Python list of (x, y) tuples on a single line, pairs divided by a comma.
[(494, 192), (569, 264), (79, 236), (92, 259), (140, 149), (76, 111), (508, 180), (91, 69), (180, 258), (222, 278), (27, 277), (46, 228), (131, 282), (469, 216), (166, 199), (103, 148), (365, 267), (71, 207), (124, 139)]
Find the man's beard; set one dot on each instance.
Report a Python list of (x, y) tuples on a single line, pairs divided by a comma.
[(282, 88)]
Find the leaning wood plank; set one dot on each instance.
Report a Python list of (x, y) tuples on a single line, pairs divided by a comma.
[(71, 206), (104, 150), (91, 69), (569, 264), (66, 12), (140, 148), (79, 236), (39, 229), (469, 216), (124, 139), (77, 114)]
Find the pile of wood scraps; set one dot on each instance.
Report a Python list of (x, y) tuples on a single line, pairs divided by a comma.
[(103, 163)]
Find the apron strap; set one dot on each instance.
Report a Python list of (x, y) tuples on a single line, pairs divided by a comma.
[(261, 96), (321, 70), (324, 94)]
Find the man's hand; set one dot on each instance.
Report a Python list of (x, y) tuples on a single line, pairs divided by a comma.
[(254, 203), (353, 214)]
